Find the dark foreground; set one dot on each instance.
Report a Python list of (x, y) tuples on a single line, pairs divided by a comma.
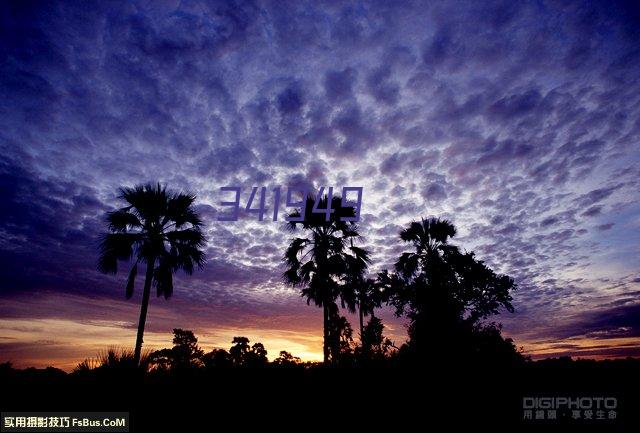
[(397, 398)]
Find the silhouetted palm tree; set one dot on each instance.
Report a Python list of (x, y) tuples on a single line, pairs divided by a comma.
[(317, 263), (430, 281), (158, 228), (430, 237), (354, 281), (369, 296), (365, 294)]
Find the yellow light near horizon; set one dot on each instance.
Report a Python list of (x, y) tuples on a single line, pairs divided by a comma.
[(583, 347), (64, 343)]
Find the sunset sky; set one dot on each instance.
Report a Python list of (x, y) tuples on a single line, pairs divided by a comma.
[(518, 121)]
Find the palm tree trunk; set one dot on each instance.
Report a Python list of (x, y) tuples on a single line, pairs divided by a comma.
[(143, 310), (325, 344), (361, 314)]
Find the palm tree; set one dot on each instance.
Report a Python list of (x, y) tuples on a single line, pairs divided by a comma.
[(318, 262), (369, 296), (429, 237), (159, 229), (359, 292), (429, 267)]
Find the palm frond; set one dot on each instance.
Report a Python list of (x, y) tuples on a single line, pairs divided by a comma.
[(114, 247), (180, 211), (441, 230), (163, 278), (293, 250), (150, 201), (187, 257), (291, 276), (122, 219), (407, 264), (190, 236), (361, 254)]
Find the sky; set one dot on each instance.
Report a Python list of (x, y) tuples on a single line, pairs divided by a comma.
[(517, 121)]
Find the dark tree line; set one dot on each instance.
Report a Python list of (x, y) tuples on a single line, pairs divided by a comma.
[(186, 354)]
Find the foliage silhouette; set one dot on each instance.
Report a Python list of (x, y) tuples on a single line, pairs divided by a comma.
[(159, 229), (113, 361), (369, 295), (341, 329), (217, 358), (444, 292), (285, 359), (374, 344), (486, 394), (185, 353), (244, 355)]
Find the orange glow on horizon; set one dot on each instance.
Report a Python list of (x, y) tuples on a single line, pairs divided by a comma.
[(581, 347), (83, 328), (64, 343)]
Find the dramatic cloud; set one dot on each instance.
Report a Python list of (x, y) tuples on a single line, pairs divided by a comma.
[(516, 120)]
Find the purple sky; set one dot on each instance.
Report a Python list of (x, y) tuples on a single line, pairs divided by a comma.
[(518, 121)]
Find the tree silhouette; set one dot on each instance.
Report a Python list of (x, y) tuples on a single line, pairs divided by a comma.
[(257, 356), (443, 291), (374, 343), (184, 354), (161, 360), (217, 358), (369, 296), (285, 359), (159, 229), (318, 263), (239, 350), (343, 332), (243, 355), (365, 294)]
